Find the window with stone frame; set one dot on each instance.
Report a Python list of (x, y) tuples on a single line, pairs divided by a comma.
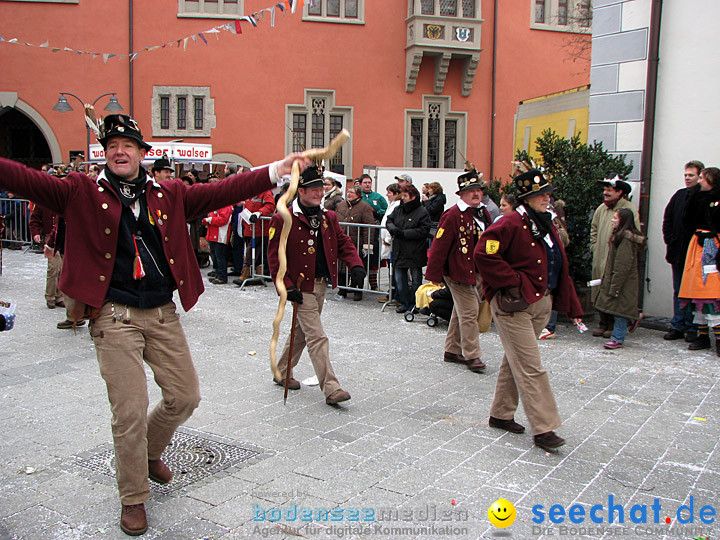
[(337, 11), (562, 15), (210, 9), (434, 134), (316, 122), (446, 8), (182, 111)]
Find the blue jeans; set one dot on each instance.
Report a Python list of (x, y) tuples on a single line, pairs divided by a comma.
[(619, 329), (682, 320), (218, 252), (405, 292), (552, 323)]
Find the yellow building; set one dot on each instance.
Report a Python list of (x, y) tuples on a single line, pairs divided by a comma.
[(566, 113)]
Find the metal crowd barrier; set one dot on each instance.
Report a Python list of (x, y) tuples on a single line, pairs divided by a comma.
[(16, 215), (362, 234)]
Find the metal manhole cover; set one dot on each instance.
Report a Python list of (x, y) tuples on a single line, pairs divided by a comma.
[(191, 455)]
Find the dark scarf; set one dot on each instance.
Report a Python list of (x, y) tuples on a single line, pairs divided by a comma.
[(540, 222), (313, 215), (412, 204), (129, 191)]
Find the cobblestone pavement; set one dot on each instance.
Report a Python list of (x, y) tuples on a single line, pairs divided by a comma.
[(410, 456)]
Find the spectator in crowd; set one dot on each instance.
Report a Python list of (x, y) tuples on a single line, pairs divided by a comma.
[(435, 205), (451, 260), (508, 203), (333, 193), (379, 206), (404, 179), (488, 202), (392, 193), (42, 221), (555, 207), (235, 246), (315, 244), (615, 192), (677, 238), (218, 225), (525, 273), (409, 225), (618, 294), (93, 171), (125, 287), (255, 231), (700, 286), (355, 210)]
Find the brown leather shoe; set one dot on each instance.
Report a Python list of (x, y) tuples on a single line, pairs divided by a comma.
[(476, 365), (607, 333), (337, 396), (159, 472), (293, 384), (133, 520), (455, 358), (51, 304), (599, 331), (508, 425), (59, 303), (548, 441)]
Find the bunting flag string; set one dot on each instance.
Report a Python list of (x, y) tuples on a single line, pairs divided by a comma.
[(288, 6)]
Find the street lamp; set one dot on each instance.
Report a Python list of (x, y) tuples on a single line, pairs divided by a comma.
[(63, 106)]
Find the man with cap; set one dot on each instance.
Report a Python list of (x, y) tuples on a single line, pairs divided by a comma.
[(404, 179), (315, 244), (162, 170), (615, 192), (451, 260), (126, 250), (524, 270)]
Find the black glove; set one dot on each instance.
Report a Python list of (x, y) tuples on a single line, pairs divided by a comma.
[(399, 233), (253, 218), (357, 276), (293, 295)]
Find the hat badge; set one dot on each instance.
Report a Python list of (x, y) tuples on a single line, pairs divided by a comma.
[(120, 129)]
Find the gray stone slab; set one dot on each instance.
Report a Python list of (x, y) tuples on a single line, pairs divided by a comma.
[(617, 48), (603, 133), (620, 107), (606, 20)]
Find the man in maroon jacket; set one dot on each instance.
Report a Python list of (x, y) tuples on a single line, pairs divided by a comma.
[(42, 222), (315, 244), (126, 250), (451, 260), (525, 275)]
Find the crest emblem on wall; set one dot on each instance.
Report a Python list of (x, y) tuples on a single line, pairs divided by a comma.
[(433, 31), (462, 34)]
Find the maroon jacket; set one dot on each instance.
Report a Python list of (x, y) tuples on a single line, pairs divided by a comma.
[(91, 209), (509, 256), (451, 253), (301, 248), (42, 221)]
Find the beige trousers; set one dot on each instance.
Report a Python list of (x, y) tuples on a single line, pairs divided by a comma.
[(309, 332), (463, 333), (124, 339), (521, 371), (54, 267)]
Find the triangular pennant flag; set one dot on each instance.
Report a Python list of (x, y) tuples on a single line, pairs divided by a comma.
[(13, 40), (68, 49), (2, 39), (179, 41), (105, 57), (203, 38), (212, 31), (252, 20), (94, 55), (281, 6), (238, 29), (133, 55), (287, 4), (79, 52), (55, 49), (185, 42), (46, 44), (293, 4), (272, 16), (194, 38)]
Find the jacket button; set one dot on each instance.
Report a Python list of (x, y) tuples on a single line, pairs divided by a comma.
[(532, 244), (537, 294), (164, 216), (101, 189), (102, 278), (172, 261), (539, 261), (166, 239), (104, 206), (160, 195), (182, 282), (540, 278), (108, 256), (107, 231), (524, 226)]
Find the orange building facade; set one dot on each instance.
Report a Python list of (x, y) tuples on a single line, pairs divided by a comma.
[(418, 83)]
